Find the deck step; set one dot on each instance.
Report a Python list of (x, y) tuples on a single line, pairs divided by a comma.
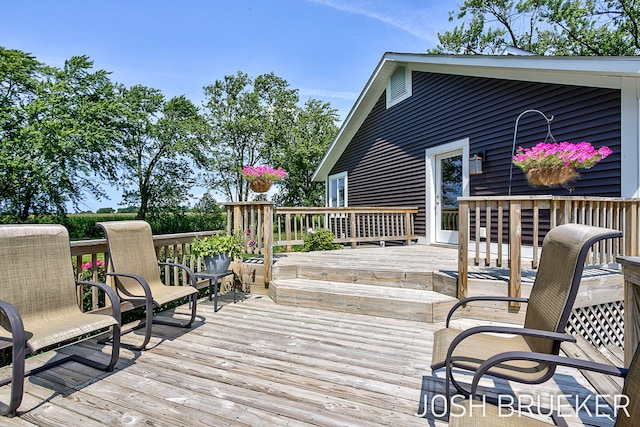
[(399, 303)]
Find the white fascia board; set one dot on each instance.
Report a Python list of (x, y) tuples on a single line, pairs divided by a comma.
[(605, 72), (358, 113)]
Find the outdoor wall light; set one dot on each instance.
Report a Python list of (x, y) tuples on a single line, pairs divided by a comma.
[(475, 163)]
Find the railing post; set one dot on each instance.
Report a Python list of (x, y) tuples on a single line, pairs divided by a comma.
[(631, 227), (352, 231), (463, 248), (267, 242), (408, 228), (515, 251), (287, 230), (237, 219)]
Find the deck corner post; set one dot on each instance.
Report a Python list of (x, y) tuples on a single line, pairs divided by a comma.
[(463, 248), (268, 242)]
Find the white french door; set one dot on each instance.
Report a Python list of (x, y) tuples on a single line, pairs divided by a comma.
[(448, 188), (447, 178)]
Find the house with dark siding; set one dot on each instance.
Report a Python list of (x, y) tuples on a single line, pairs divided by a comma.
[(410, 135)]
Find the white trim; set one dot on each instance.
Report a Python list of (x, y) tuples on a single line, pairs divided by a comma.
[(330, 178), (608, 72), (629, 137), (430, 167)]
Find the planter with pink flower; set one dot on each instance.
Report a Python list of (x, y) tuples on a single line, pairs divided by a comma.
[(260, 178), (555, 164)]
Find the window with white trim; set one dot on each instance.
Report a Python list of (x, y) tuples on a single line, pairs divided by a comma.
[(399, 85), (337, 190)]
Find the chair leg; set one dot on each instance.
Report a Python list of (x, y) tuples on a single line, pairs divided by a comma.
[(19, 373), (17, 383), (150, 320), (193, 302)]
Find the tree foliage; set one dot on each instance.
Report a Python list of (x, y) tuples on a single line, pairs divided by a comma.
[(545, 27), (56, 130), (156, 138), (64, 132), (259, 122), (312, 133), (247, 119)]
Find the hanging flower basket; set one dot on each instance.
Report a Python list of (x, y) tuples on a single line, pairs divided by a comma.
[(552, 176), (260, 178), (553, 165), (260, 186)]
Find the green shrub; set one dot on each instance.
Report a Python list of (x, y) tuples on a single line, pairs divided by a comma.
[(319, 240), (83, 226)]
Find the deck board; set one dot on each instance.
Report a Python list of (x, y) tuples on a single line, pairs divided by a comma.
[(255, 363)]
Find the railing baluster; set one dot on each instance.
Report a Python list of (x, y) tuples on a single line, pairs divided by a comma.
[(500, 232), (476, 259), (536, 231), (487, 238), (515, 254)]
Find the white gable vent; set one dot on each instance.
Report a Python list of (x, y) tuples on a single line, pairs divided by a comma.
[(399, 86)]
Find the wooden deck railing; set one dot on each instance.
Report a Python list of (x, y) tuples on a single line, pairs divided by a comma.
[(348, 225), (270, 226), (499, 226), (175, 247)]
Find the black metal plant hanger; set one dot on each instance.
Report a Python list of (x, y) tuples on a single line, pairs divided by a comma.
[(515, 133)]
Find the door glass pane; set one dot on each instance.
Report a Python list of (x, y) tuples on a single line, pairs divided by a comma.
[(340, 183), (451, 189), (333, 193)]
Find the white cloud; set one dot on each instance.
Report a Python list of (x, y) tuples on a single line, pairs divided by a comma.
[(321, 93), (417, 21)]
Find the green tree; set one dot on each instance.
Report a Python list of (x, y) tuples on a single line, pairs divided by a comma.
[(105, 211), (546, 27), (247, 120), (156, 138), (56, 129), (314, 129)]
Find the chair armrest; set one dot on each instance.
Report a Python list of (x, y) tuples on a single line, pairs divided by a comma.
[(113, 297), (189, 271), (557, 336), (19, 342), (549, 359), (139, 279), (481, 298)]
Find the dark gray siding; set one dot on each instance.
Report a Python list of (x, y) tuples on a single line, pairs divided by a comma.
[(386, 158)]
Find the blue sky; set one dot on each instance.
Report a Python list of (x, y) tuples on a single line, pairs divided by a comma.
[(327, 49)]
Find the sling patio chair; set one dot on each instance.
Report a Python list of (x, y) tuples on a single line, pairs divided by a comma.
[(626, 408), (39, 303), (549, 306), (136, 271)]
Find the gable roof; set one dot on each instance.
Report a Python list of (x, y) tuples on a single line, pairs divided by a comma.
[(590, 71)]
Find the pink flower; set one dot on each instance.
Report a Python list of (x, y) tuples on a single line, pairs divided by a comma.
[(264, 173), (89, 265), (543, 155)]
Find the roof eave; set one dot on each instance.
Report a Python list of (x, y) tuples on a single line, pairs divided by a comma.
[(607, 67)]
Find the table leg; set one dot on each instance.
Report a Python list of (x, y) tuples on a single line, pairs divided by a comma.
[(215, 295)]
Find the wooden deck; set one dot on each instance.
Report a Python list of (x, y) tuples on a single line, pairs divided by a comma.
[(257, 363)]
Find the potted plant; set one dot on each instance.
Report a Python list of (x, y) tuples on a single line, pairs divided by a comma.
[(552, 164), (260, 178), (217, 251)]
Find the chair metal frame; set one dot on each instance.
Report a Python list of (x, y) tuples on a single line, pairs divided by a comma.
[(558, 336), (148, 300), (20, 341)]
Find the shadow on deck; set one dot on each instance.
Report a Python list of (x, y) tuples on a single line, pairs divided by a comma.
[(258, 363)]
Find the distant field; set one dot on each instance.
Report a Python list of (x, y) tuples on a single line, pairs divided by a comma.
[(83, 225)]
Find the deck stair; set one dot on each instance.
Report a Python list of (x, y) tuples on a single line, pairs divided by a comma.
[(361, 281), (383, 301)]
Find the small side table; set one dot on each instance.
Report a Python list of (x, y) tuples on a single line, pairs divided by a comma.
[(214, 278)]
